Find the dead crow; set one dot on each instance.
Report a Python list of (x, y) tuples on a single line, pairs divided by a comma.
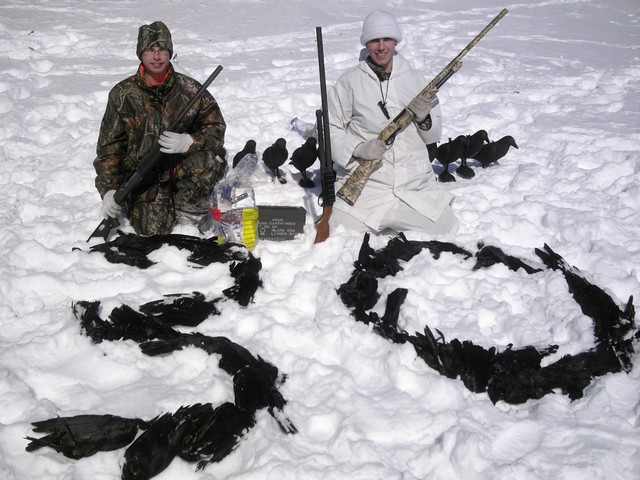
[(84, 435), (494, 151), (181, 309), (233, 357), (482, 368), (402, 249), (360, 291), (519, 382), (124, 323), (302, 158), (214, 433), (378, 263), (247, 280), (472, 363), (490, 255), (274, 157), (612, 325), (133, 250), (387, 325), (154, 450), (255, 389)]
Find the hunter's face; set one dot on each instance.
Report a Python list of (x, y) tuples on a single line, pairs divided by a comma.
[(155, 60), (381, 52)]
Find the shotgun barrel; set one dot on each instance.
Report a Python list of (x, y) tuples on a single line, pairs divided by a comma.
[(324, 151)]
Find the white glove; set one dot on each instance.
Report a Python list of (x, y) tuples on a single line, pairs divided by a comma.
[(175, 142), (110, 208), (370, 150), (420, 106)]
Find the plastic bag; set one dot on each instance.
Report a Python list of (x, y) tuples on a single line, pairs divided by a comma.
[(232, 205), (304, 129)]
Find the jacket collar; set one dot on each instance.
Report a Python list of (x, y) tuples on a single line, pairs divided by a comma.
[(161, 88), (400, 66), (377, 70)]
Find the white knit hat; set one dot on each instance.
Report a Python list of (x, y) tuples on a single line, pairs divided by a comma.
[(379, 24)]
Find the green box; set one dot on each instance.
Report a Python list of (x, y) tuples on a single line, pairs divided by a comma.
[(280, 223)]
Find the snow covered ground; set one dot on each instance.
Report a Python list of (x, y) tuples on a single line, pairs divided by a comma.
[(561, 76)]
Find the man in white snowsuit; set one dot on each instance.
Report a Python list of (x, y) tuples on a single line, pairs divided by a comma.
[(403, 194)]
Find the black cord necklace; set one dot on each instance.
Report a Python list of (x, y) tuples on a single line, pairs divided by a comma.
[(382, 76), (383, 103)]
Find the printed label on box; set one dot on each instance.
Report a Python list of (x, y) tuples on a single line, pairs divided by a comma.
[(280, 223)]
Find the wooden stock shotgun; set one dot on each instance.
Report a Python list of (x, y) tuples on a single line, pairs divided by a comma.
[(324, 151)]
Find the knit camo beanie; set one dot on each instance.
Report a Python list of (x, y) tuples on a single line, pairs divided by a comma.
[(379, 24), (155, 33)]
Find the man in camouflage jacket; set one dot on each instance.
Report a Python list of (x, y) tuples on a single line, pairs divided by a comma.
[(139, 110)]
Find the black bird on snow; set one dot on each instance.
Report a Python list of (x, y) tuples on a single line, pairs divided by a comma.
[(233, 357), (403, 249), (571, 375), (255, 389), (133, 250), (449, 152), (472, 363), (249, 148), (181, 309), (247, 280), (475, 143), (124, 323), (485, 369), (387, 325), (214, 433), (84, 435), (490, 255), (302, 158), (612, 325), (275, 156), (154, 450), (494, 151), (360, 291), (378, 263)]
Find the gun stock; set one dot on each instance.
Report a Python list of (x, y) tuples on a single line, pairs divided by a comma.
[(147, 165), (324, 151), (352, 188)]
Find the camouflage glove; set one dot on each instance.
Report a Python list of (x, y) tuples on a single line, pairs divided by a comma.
[(110, 208), (172, 142), (421, 107), (370, 150)]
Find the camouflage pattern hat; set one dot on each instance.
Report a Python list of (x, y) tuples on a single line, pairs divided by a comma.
[(155, 33)]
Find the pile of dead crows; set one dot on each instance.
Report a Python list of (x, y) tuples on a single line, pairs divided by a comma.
[(204, 433), (513, 376)]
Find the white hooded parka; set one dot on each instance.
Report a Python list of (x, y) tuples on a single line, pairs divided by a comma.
[(406, 174)]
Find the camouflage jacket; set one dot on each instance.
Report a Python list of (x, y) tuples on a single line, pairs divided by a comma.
[(137, 114)]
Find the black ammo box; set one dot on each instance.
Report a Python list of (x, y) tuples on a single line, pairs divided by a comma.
[(280, 223)]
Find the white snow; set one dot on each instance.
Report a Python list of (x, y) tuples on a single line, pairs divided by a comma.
[(561, 76)]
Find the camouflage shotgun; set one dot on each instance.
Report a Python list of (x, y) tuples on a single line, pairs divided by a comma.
[(147, 165), (324, 151), (353, 186)]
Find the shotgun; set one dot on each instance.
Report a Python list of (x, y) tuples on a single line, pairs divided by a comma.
[(324, 151), (146, 166), (352, 188)]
